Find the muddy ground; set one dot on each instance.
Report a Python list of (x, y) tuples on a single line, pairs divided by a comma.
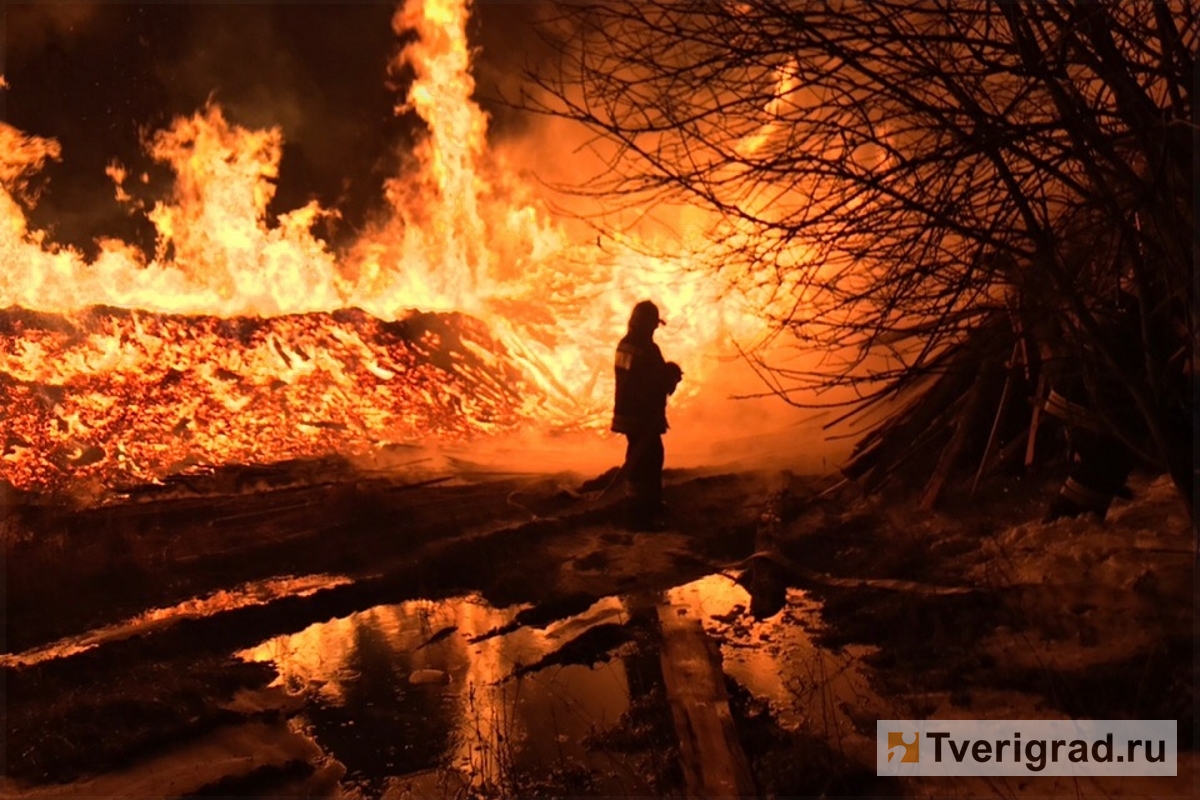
[(314, 630)]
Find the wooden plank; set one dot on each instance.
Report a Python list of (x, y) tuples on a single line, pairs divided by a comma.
[(710, 755), (1038, 400), (953, 450), (1010, 452), (1000, 409)]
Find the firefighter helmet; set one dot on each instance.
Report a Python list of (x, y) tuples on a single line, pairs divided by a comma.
[(645, 317)]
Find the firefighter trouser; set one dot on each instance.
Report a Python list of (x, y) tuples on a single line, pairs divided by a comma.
[(644, 465)]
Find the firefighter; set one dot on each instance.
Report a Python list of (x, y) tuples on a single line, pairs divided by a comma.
[(644, 380)]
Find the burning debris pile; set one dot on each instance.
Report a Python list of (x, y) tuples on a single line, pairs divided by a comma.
[(115, 397), (241, 337)]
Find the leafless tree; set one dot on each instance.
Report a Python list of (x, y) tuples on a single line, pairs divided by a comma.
[(898, 171)]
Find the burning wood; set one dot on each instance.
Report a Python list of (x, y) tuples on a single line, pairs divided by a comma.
[(229, 340), (114, 397)]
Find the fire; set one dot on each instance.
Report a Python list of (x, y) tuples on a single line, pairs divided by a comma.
[(215, 252), (232, 341), (127, 396)]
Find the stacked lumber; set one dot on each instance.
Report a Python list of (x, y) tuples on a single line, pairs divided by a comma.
[(965, 414)]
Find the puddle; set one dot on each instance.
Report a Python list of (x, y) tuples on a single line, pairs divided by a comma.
[(807, 686), (414, 699), (249, 594), (401, 690)]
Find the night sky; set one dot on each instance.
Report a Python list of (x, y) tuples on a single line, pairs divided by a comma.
[(95, 77)]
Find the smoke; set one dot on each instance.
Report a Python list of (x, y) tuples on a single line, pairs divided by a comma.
[(725, 427), (519, 50), (722, 435), (508, 44), (319, 74), (99, 77), (718, 430), (236, 56), (34, 27)]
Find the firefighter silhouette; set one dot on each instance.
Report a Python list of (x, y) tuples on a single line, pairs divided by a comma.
[(644, 381)]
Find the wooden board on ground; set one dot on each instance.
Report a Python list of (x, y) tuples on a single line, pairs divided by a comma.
[(229, 753), (711, 757)]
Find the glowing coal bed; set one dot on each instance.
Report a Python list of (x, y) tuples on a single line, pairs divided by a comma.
[(112, 398)]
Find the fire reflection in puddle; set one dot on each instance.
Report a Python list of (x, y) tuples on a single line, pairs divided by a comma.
[(401, 690), (416, 700), (777, 659)]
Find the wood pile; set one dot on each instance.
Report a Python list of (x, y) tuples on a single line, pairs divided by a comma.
[(971, 412), (110, 398)]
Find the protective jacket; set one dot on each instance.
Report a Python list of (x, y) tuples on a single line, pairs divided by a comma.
[(644, 380)]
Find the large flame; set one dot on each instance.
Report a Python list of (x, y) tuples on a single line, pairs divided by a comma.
[(464, 234)]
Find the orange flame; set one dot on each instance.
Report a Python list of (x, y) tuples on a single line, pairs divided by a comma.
[(465, 234)]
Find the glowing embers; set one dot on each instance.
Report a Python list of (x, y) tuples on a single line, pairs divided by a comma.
[(114, 397)]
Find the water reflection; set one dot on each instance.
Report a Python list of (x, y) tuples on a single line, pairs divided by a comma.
[(777, 659), (404, 701), (377, 706)]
